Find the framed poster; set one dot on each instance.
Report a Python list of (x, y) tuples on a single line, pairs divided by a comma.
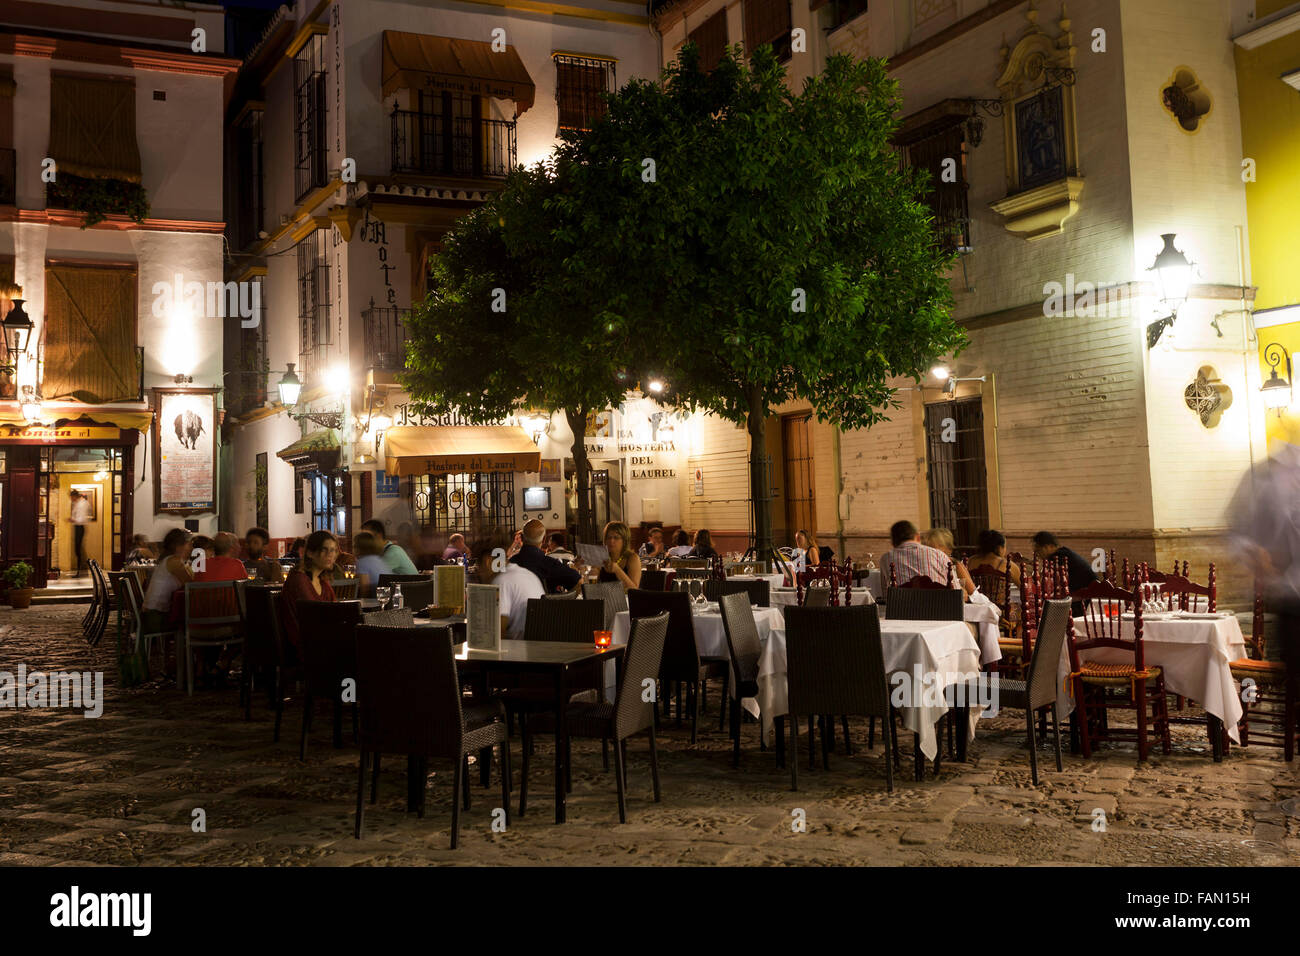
[(184, 450), (550, 470)]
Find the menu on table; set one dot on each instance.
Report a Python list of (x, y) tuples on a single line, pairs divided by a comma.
[(449, 585), (483, 617)]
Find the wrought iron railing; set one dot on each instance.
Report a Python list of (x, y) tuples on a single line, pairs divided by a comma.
[(385, 337), (434, 144)]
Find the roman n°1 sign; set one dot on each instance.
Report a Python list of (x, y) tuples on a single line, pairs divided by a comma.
[(185, 450)]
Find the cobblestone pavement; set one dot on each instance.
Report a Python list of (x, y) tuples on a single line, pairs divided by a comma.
[(121, 790)]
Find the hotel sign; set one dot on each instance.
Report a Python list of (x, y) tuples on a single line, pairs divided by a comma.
[(51, 433)]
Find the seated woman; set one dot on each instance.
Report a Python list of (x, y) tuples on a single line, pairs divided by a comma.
[(169, 578), (370, 563), (941, 540), (142, 551), (993, 553), (681, 545), (805, 543), (703, 545), (623, 565), (310, 581)]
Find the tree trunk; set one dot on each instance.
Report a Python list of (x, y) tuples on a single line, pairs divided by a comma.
[(759, 483), (577, 419)]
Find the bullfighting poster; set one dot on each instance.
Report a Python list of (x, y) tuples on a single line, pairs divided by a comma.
[(185, 451)]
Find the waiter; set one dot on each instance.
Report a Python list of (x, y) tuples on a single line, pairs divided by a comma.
[(79, 515)]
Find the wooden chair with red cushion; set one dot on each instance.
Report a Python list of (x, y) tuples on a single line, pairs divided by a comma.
[(1013, 640), (1099, 687), (1269, 712)]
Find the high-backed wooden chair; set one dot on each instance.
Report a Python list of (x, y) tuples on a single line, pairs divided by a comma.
[(1269, 708)]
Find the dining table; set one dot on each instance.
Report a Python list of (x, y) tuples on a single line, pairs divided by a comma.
[(1193, 649), (554, 659)]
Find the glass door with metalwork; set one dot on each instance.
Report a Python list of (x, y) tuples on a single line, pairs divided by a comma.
[(469, 502), (956, 469)]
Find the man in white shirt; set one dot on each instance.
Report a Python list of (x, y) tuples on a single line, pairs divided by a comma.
[(79, 515), (515, 584)]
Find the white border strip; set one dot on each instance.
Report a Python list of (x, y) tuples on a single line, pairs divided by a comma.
[(1282, 315)]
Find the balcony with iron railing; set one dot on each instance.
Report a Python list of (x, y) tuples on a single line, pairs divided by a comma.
[(385, 334), (431, 144)]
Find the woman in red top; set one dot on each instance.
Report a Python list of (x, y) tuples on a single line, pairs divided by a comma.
[(311, 582)]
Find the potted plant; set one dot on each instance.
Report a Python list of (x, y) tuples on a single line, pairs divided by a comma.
[(17, 576)]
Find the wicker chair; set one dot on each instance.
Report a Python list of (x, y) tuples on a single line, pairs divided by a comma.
[(211, 620), (1270, 717), (759, 593), (631, 713), (102, 604), (345, 589), (1141, 688), (924, 604), (328, 644), (130, 616), (682, 662), (1038, 691), (388, 580), (654, 580), (1013, 640), (743, 645), (612, 594), (410, 698), (816, 597), (393, 617), (835, 665), (563, 595), (264, 650)]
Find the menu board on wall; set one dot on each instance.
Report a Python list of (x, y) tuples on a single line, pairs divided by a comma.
[(185, 451)]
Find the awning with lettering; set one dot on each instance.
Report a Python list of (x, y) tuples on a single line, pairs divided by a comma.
[(90, 423), (420, 61), (453, 450)]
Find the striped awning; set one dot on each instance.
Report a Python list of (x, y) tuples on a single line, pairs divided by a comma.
[(420, 61)]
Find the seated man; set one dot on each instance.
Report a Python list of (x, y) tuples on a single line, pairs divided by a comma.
[(394, 555), (222, 565), (268, 570), (556, 548), (554, 576), (455, 549), (515, 583), (910, 558), (1077, 569)]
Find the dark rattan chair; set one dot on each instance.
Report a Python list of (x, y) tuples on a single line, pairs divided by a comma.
[(563, 595), (758, 592), (393, 617), (328, 644), (835, 664), (682, 663), (654, 580), (211, 620), (924, 604), (410, 698), (631, 713), (613, 596), (345, 589), (745, 650), (263, 650), (1038, 691)]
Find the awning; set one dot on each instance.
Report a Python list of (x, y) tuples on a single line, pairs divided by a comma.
[(436, 450), (318, 451), (419, 61), (87, 421)]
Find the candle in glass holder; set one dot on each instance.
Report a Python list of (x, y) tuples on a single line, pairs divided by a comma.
[(603, 638)]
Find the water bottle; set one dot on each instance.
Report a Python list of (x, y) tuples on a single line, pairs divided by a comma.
[(398, 603)]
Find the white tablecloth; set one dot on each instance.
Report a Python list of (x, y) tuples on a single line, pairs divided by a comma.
[(773, 580), (1194, 655), (790, 596), (710, 637), (985, 618), (926, 647)]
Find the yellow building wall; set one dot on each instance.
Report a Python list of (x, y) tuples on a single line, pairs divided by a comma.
[(1270, 132)]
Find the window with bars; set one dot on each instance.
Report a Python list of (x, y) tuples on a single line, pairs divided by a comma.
[(462, 502), (710, 38), (956, 469), (768, 21), (948, 190), (309, 117), (842, 11), (246, 383), (313, 301), (250, 197), (581, 83)]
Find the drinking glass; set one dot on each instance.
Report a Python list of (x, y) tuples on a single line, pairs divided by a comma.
[(382, 595)]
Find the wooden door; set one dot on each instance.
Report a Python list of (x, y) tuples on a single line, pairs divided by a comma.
[(797, 456)]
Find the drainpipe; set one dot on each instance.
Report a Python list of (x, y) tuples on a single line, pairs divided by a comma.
[(839, 489)]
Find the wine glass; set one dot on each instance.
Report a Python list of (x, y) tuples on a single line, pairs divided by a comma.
[(382, 595)]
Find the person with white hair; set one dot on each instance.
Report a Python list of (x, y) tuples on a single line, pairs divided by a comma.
[(554, 575)]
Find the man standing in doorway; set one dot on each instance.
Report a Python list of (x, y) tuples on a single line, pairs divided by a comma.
[(79, 515)]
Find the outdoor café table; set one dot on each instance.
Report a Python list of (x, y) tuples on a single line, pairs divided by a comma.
[(983, 618), (773, 580), (790, 596), (1193, 650), (554, 658), (710, 637), (946, 648)]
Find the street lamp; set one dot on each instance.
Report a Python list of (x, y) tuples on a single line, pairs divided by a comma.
[(290, 386), (31, 405), (1174, 276), (1277, 390), (18, 332)]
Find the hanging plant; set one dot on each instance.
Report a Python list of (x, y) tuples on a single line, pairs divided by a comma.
[(98, 198)]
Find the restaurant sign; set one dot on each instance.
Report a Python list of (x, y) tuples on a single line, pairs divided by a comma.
[(61, 433)]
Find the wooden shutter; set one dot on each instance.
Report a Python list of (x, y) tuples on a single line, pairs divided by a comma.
[(765, 22), (92, 127), (710, 37), (90, 334)]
